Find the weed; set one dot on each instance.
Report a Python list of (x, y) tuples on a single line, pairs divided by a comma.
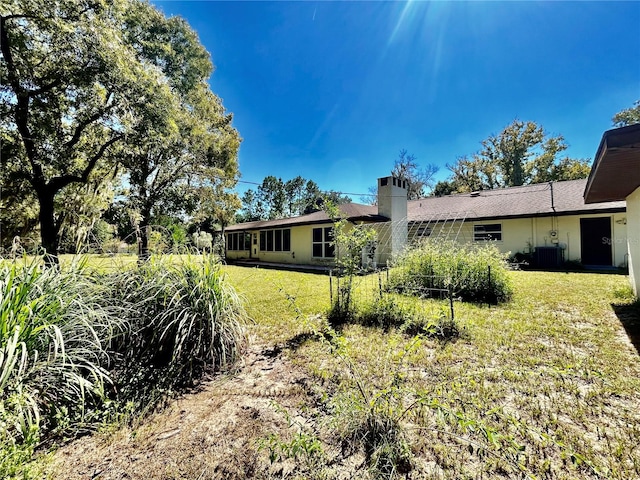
[(477, 273), (386, 311), (304, 446), (441, 328)]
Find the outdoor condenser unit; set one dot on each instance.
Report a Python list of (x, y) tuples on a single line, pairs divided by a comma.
[(549, 257)]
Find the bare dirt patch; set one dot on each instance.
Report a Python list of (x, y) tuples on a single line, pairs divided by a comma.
[(212, 433)]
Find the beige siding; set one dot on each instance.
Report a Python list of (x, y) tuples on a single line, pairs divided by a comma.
[(633, 240), (518, 235)]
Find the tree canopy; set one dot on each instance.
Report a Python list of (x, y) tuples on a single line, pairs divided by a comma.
[(628, 116), (418, 179), (521, 154), (277, 199), (91, 86)]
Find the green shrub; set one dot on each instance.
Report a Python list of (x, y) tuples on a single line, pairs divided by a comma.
[(474, 273), (387, 312), (441, 328), (79, 348), (343, 309)]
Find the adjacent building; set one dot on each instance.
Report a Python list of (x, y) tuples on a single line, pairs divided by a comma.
[(615, 177)]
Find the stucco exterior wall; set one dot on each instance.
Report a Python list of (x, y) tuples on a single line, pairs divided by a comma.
[(525, 234), (301, 251), (518, 235), (569, 235), (522, 235), (633, 239)]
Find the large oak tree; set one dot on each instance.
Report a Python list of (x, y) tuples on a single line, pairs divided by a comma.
[(89, 85)]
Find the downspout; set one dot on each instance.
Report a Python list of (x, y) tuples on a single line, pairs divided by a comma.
[(554, 220)]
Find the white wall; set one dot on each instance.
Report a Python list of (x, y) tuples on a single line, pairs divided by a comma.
[(633, 239), (392, 203)]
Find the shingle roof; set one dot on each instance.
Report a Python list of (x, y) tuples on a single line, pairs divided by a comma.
[(526, 201), (556, 198), (351, 211)]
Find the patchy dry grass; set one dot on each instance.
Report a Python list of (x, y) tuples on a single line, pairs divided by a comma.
[(545, 386)]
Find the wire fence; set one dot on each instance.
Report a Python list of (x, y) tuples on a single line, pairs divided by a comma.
[(433, 297)]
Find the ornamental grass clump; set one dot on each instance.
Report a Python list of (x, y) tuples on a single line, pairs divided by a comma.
[(186, 319), (472, 273), (79, 348), (55, 330)]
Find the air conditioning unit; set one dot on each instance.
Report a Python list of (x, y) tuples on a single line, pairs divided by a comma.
[(549, 257)]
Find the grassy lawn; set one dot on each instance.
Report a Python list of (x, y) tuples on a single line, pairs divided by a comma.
[(545, 386)]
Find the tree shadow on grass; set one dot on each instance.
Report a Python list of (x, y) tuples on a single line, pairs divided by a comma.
[(629, 316)]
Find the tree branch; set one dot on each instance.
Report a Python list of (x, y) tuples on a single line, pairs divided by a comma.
[(58, 183), (22, 15), (22, 96), (88, 121), (46, 88), (170, 178)]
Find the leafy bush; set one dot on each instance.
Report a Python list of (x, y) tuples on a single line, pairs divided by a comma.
[(343, 309), (441, 328), (386, 312), (474, 273)]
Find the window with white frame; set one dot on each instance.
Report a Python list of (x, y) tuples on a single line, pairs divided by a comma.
[(487, 232), (322, 243)]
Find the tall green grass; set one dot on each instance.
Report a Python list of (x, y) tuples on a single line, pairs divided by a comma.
[(184, 318), (54, 333), (73, 341), (474, 273)]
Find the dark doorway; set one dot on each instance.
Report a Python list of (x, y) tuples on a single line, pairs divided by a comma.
[(595, 241)]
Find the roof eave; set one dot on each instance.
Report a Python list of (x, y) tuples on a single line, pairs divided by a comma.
[(615, 173)]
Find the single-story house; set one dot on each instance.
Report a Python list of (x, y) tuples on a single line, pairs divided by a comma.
[(615, 177), (549, 221)]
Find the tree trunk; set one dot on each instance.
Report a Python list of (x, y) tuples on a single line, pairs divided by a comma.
[(143, 242), (48, 227)]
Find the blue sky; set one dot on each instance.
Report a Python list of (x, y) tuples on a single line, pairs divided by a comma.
[(332, 91)]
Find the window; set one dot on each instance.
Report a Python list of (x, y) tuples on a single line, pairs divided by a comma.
[(322, 242), (286, 240), (278, 240), (275, 240), (238, 241), (269, 240), (491, 231)]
